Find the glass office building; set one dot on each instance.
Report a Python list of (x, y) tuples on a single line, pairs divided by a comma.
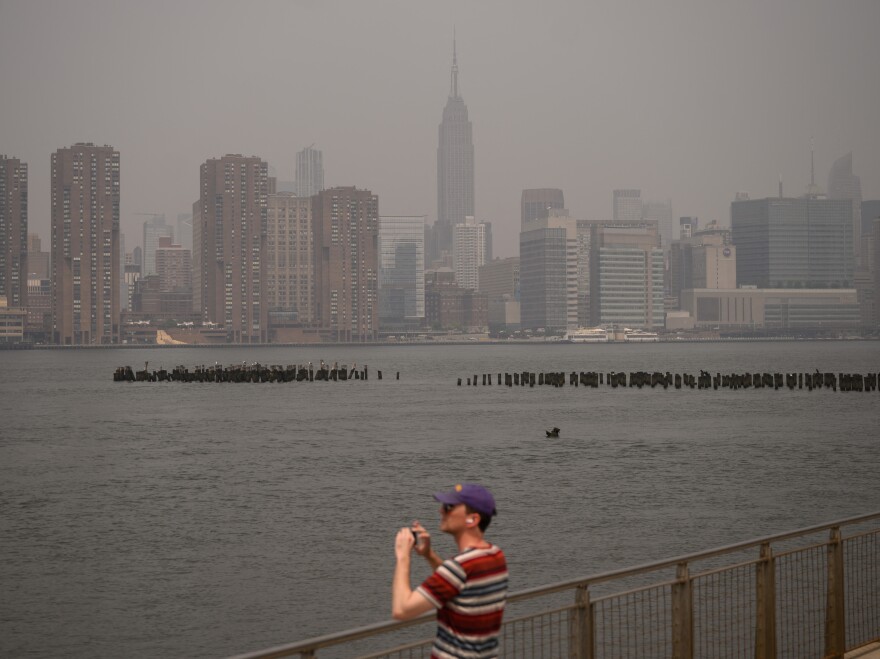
[(793, 243), (401, 271)]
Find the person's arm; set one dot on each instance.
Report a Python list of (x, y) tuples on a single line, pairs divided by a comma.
[(406, 603)]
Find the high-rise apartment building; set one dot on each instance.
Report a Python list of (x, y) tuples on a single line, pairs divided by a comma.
[(455, 169), (38, 260), (793, 243), (469, 252), (535, 203), (346, 230), (154, 229), (401, 271), (627, 205), (13, 232), (548, 252), (85, 268), (290, 257), (843, 184), (174, 267), (309, 172), (229, 235)]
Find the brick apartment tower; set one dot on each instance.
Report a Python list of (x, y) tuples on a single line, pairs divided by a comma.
[(346, 222), (84, 267), (13, 231), (290, 256), (229, 240)]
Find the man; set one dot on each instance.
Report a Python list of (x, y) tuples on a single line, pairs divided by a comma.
[(468, 590)]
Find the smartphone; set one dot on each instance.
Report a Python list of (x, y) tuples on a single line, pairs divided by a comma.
[(415, 536)]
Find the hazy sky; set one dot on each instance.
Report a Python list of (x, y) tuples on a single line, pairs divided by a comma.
[(691, 101)]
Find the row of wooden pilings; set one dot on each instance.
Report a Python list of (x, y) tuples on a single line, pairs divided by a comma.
[(246, 373), (810, 381)]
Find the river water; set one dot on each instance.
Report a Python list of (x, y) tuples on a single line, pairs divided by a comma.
[(202, 520)]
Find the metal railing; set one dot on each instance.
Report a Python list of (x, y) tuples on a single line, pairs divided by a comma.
[(814, 592)]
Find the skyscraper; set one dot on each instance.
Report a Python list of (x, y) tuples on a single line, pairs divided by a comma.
[(469, 252), (661, 211), (309, 172), (290, 257), (85, 245), (548, 280), (346, 222), (229, 235), (793, 243), (536, 203), (627, 205), (154, 229), (13, 231), (843, 184), (455, 169), (627, 278), (401, 271)]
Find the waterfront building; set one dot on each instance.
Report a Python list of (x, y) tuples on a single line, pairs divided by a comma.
[(626, 278), (346, 230), (154, 229), (85, 245), (13, 231), (449, 306), (455, 170), (870, 211), (536, 203), (627, 205), (548, 249), (469, 246), (12, 322), (843, 184), (768, 308), (229, 235), (588, 234), (290, 258), (38, 326), (876, 270), (401, 271), (661, 212), (309, 172), (706, 260), (793, 243)]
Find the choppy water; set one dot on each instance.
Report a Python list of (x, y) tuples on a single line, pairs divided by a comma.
[(201, 520)]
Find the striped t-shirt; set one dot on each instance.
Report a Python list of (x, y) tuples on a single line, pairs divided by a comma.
[(469, 591)]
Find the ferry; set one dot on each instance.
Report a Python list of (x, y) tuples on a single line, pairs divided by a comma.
[(639, 336), (587, 335)]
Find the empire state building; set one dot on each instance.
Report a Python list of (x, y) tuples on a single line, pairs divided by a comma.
[(455, 170)]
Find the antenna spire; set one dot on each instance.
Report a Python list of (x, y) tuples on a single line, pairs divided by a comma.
[(454, 85), (812, 166)]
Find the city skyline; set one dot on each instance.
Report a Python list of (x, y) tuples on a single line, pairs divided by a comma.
[(590, 133)]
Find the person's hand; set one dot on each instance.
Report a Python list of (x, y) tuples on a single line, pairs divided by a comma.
[(403, 543), (423, 546)]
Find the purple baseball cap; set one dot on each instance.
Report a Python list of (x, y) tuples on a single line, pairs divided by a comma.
[(470, 494)]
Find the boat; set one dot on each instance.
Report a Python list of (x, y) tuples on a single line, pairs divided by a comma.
[(639, 336), (587, 335)]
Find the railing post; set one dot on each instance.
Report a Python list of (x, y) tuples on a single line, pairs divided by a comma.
[(682, 615), (765, 592), (582, 641), (835, 628)]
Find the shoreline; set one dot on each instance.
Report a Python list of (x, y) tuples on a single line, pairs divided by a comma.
[(441, 342)]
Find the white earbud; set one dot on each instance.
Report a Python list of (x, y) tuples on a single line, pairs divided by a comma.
[(470, 520)]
